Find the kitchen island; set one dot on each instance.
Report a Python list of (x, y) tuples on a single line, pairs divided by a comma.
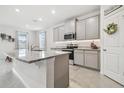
[(41, 69)]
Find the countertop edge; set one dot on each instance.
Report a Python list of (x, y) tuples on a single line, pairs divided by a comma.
[(37, 60), (87, 49)]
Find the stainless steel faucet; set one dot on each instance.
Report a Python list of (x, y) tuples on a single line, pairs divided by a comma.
[(33, 47)]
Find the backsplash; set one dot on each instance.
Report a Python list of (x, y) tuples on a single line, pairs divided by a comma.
[(81, 43)]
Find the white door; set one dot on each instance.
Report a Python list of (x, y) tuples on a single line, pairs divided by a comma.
[(121, 22), (112, 50)]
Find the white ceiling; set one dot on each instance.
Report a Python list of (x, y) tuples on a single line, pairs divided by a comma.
[(24, 19)]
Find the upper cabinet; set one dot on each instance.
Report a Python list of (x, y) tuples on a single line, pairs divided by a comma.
[(83, 27), (61, 33), (92, 28), (87, 28), (80, 30), (55, 34), (61, 30), (70, 26), (58, 33)]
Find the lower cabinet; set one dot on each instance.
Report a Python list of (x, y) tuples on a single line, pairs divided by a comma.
[(79, 57), (87, 58), (91, 59)]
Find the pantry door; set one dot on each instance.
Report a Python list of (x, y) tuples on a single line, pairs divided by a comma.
[(112, 50)]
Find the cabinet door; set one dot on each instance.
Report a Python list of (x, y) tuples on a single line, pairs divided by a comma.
[(70, 26), (55, 34), (92, 28), (79, 57), (80, 30), (61, 33), (91, 59)]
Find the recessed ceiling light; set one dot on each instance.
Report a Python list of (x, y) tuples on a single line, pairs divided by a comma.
[(17, 10), (53, 11), (40, 19)]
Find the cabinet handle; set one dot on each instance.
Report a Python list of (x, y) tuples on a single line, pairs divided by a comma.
[(104, 49)]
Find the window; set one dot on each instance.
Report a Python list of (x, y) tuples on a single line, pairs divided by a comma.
[(22, 41), (42, 39)]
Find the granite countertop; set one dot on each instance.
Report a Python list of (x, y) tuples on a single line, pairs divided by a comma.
[(62, 49), (79, 48), (34, 56), (87, 48)]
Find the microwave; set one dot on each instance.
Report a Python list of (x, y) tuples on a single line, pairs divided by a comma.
[(69, 36)]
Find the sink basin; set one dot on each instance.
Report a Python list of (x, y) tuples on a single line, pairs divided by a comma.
[(37, 50)]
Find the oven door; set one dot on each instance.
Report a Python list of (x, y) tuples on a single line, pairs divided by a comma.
[(71, 55)]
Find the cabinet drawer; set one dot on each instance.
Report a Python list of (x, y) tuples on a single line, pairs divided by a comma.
[(81, 51), (91, 52)]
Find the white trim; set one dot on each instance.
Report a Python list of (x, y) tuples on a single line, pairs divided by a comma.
[(114, 12), (88, 15), (17, 74), (101, 40), (59, 25)]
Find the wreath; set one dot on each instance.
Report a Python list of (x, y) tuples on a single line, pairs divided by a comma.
[(111, 28)]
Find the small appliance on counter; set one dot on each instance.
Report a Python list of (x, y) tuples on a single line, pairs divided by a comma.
[(93, 45)]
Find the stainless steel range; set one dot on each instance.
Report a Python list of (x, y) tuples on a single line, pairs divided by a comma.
[(70, 48)]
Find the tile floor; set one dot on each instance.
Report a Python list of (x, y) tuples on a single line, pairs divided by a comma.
[(85, 78), (7, 78), (79, 78)]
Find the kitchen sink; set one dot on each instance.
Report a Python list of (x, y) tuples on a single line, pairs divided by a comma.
[(37, 50)]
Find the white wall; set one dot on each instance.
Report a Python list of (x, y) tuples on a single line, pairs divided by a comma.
[(49, 40), (6, 46)]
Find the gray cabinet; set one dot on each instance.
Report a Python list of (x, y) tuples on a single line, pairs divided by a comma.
[(87, 29), (92, 59), (79, 57), (58, 33), (61, 33), (80, 30), (55, 34), (92, 28), (87, 58), (70, 26)]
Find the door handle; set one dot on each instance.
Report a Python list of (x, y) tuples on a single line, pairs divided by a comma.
[(104, 49)]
